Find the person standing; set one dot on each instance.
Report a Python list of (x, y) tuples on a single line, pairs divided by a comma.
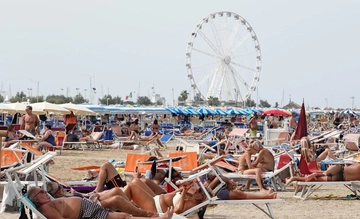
[(253, 125), (30, 122)]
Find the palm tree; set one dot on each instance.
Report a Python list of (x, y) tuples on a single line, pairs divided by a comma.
[(184, 95), (213, 101)]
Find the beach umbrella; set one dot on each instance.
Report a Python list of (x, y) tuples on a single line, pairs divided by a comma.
[(78, 109), (171, 110), (220, 112), (205, 111), (301, 128), (4, 108), (20, 108), (50, 107), (276, 112), (348, 111)]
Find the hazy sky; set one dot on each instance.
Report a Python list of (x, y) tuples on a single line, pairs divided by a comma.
[(310, 49)]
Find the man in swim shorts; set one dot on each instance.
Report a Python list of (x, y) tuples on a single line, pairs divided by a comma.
[(75, 207), (108, 176)]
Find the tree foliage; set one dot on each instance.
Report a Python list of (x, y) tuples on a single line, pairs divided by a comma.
[(213, 101), (276, 105), (183, 95), (1, 98), (108, 99), (264, 104), (57, 99), (144, 100), (250, 103)]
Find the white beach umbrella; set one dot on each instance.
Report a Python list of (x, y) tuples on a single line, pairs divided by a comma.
[(20, 108), (45, 106), (4, 108), (78, 109)]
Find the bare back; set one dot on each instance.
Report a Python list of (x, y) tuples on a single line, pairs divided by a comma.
[(265, 160), (292, 123)]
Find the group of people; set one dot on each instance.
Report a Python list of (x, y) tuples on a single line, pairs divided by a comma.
[(142, 197)]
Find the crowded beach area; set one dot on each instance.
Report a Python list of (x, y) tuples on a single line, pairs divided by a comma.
[(279, 160), (179, 109)]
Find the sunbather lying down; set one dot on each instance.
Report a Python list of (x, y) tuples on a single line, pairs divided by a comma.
[(334, 173), (190, 132), (180, 200), (113, 199), (75, 207)]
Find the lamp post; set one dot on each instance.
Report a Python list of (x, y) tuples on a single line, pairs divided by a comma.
[(77, 90), (62, 91), (37, 90), (326, 99), (29, 92), (85, 94), (107, 101), (352, 102)]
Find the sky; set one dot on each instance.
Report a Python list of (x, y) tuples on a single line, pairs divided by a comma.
[(309, 49)]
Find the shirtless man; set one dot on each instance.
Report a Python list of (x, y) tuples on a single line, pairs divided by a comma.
[(253, 125), (292, 123), (75, 207), (264, 163), (30, 122)]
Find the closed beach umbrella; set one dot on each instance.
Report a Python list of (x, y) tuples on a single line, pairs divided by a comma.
[(301, 128)]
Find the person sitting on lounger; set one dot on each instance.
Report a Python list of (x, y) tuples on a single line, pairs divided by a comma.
[(113, 199), (48, 139), (231, 192), (75, 207), (10, 136), (264, 163), (134, 130), (334, 173), (309, 153)]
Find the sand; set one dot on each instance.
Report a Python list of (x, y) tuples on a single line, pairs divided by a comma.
[(337, 207)]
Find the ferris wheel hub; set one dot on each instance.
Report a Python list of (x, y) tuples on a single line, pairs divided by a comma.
[(227, 59)]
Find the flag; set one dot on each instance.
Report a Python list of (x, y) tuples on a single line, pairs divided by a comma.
[(130, 95), (127, 97)]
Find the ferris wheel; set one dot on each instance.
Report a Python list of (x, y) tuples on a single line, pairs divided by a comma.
[(223, 58)]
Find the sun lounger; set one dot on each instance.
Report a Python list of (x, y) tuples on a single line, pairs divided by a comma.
[(211, 199), (310, 187)]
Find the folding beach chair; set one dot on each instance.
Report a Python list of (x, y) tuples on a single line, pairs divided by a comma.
[(134, 161), (212, 199), (165, 138)]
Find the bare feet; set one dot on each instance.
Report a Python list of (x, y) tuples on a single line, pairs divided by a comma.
[(264, 190), (288, 181)]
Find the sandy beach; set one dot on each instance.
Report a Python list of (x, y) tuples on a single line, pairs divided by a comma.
[(336, 207)]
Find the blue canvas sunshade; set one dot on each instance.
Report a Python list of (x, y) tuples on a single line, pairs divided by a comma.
[(348, 111), (220, 112), (192, 111), (97, 108), (114, 109), (206, 111)]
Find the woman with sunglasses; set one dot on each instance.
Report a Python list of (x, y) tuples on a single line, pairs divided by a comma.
[(113, 199), (76, 207)]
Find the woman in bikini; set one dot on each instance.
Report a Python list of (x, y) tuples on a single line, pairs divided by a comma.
[(182, 199), (245, 159), (155, 127), (134, 130)]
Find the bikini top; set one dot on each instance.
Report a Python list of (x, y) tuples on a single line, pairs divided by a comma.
[(176, 198)]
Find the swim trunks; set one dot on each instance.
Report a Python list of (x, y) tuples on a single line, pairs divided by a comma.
[(223, 194), (115, 182), (92, 210), (33, 131), (157, 204)]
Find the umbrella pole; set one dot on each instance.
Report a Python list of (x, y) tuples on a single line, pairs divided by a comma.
[(2, 134)]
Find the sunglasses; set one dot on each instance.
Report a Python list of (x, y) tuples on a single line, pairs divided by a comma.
[(40, 192)]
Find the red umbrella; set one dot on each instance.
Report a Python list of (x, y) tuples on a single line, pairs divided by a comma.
[(301, 128), (276, 112)]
